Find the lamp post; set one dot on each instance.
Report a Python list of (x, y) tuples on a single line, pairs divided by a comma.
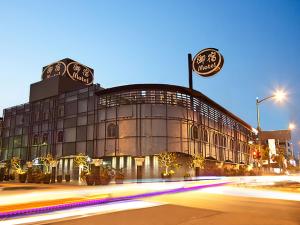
[(279, 96)]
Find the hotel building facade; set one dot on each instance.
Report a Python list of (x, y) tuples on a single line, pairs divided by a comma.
[(67, 114)]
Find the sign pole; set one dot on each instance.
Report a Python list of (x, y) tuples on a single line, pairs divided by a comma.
[(190, 71)]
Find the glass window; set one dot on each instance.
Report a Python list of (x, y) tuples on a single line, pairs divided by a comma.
[(82, 106), (194, 132), (81, 133), (70, 108), (82, 120), (60, 136), (69, 149), (70, 122), (112, 130), (35, 139), (204, 135), (70, 135), (216, 141), (45, 138)]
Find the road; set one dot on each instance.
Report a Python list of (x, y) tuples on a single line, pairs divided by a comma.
[(222, 204), (200, 207)]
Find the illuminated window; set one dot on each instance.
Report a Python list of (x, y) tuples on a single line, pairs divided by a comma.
[(60, 136), (112, 130)]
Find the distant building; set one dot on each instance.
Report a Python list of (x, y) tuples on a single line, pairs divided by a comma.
[(67, 114), (278, 140)]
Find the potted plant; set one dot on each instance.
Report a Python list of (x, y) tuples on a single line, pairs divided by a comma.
[(119, 176), (106, 175), (67, 177), (59, 178), (89, 178)]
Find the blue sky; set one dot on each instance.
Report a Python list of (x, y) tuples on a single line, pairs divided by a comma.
[(148, 42)]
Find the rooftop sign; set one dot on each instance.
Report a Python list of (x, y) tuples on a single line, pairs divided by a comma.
[(68, 67)]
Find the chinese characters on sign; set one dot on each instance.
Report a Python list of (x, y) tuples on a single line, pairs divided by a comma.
[(208, 62), (74, 70), (55, 69), (79, 72)]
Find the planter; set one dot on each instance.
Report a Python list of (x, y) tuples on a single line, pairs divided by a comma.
[(119, 180), (6, 177), (187, 177), (89, 179), (12, 177), (30, 178), (67, 177), (59, 178), (1, 174), (104, 180), (47, 178), (37, 179), (22, 177), (169, 176)]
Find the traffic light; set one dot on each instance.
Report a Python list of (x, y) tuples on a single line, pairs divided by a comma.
[(254, 154), (258, 155)]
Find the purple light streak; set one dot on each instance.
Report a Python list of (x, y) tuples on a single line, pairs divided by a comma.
[(65, 206)]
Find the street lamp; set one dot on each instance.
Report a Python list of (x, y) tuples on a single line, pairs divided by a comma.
[(292, 126), (278, 95)]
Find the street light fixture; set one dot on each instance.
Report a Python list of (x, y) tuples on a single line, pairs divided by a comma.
[(292, 126), (279, 95)]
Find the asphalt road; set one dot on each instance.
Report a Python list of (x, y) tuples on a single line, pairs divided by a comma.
[(201, 207)]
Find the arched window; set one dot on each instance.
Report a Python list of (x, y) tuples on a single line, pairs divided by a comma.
[(204, 135), (224, 142), (216, 139), (112, 130), (45, 138), (60, 136), (194, 132), (232, 144), (35, 139)]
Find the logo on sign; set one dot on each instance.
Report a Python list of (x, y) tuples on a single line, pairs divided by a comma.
[(208, 62), (79, 72)]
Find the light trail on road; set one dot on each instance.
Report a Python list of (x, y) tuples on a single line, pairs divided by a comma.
[(97, 201)]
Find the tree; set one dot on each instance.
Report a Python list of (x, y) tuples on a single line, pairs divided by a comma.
[(197, 161), (48, 162), (168, 161), (82, 161), (15, 164)]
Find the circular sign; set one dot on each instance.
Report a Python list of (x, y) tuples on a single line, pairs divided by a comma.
[(208, 62), (79, 72)]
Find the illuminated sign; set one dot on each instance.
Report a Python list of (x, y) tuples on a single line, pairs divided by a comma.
[(70, 68), (80, 72), (208, 62), (55, 69)]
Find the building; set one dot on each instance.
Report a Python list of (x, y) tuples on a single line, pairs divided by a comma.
[(278, 142), (67, 114)]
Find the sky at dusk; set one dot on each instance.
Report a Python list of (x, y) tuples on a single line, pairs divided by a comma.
[(128, 42)]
